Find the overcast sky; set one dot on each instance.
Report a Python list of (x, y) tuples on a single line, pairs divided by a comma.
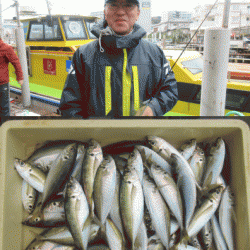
[(86, 7)]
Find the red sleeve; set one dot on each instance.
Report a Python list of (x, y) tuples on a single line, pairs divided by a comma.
[(13, 59)]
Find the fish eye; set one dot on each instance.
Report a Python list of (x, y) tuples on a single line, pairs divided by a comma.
[(207, 245), (66, 157), (30, 170), (91, 154), (22, 163), (54, 203), (129, 182), (132, 154), (73, 197), (30, 206), (30, 197), (217, 191), (211, 200), (37, 219), (207, 235), (152, 143)]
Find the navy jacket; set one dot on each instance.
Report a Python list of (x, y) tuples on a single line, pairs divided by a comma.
[(92, 71)]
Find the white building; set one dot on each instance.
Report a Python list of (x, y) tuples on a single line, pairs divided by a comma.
[(239, 18), (145, 15), (99, 14)]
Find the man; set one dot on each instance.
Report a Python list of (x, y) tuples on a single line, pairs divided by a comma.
[(121, 74), (7, 55)]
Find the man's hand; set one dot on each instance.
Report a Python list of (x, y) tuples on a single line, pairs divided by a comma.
[(144, 111), (20, 82)]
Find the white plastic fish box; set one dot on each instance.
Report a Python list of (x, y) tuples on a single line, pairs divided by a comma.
[(18, 140)]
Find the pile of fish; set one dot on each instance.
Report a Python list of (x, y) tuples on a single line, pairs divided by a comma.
[(130, 195)]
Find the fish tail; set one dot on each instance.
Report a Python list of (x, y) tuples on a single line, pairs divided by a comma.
[(185, 238), (98, 222)]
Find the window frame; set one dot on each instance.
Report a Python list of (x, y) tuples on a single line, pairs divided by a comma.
[(65, 29), (43, 22)]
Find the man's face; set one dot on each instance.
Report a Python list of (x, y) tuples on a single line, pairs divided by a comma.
[(121, 16)]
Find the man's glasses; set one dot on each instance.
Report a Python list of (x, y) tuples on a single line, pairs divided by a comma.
[(126, 6)]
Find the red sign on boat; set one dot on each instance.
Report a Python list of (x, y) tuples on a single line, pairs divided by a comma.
[(49, 66)]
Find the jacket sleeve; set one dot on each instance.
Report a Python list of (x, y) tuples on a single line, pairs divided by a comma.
[(165, 92), (13, 59), (72, 103)]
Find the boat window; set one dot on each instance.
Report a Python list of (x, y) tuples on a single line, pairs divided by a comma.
[(74, 29), (195, 66), (36, 31), (235, 99), (90, 25), (52, 30), (45, 30), (187, 90)]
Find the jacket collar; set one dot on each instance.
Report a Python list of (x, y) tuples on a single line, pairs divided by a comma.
[(110, 39)]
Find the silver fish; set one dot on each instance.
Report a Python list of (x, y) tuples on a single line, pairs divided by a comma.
[(34, 176), (158, 210), (218, 235), (197, 164), (154, 243), (114, 236), (173, 240), (131, 204), (207, 236), (29, 196), (206, 210), (141, 241), (183, 247), (169, 191), (60, 235), (226, 217), (121, 161), (135, 161), (115, 209), (215, 163), (76, 210), (149, 156), (104, 188), (92, 161), (51, 216), (162, 147), (77, 170), (221, 181), (174, 226), (195, 242), (44, 157), (187, 185), (46, 245), (187, 149), (61, 168)]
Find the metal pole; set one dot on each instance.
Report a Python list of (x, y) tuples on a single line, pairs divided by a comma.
[(226, 14), (21, 51), (214, 78)]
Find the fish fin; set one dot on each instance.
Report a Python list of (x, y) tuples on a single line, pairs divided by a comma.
[(185, 238), (207, 182)]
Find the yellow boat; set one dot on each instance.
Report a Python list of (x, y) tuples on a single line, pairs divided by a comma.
[(50, 43), (188, 73)]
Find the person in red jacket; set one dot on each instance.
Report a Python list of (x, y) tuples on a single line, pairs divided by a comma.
[(7, 55)]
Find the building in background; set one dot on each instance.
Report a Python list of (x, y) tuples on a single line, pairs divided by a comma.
[(145, 16), (239, 20), (155, 20), (99, 14), (9, 27)]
